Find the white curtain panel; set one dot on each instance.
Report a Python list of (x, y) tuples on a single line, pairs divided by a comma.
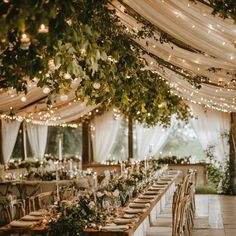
[(37, 135), (10, 130), (150, 140), (105, 133), (210, 127)]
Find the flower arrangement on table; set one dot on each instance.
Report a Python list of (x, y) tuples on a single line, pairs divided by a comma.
[(173, 160), (97, 207)]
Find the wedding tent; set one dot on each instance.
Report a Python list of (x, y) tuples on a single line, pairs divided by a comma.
[(98, 65)]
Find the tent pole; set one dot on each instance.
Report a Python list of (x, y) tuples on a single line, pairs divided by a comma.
[(86, 143), (1, 153), (24, 139)]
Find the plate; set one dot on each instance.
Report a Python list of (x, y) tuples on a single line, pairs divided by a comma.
[(19, 223), (32, 218)]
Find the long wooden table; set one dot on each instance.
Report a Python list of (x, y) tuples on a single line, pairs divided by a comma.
[(143, 221), (134, 229)]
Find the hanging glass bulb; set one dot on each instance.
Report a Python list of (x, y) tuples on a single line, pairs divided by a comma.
[(24, 42), (43, 29)]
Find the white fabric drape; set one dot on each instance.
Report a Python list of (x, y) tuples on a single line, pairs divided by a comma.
[(106, 129), (37, 135), (10, 130), (150, 140), (210, 127)]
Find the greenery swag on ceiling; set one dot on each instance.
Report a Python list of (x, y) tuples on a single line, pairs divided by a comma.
[(81, 45)]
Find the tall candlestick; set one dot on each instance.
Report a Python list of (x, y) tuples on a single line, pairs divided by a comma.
[(145, 164), (60, 149), (95, 180)]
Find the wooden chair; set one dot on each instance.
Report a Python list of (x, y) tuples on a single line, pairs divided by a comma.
[(178, 222), (41, 201), (12, 208)]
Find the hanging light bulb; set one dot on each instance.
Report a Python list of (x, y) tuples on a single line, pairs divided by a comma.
[(43, 29), (24, 42)]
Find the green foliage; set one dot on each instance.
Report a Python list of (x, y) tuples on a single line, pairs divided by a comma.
[(174, 160), (86, 49), (206, 189)]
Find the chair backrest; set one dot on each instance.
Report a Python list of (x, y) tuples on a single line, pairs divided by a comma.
[(43, 200), (180, 216)]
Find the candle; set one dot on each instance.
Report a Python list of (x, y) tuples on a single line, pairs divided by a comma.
[(60, 149), (122, 168), (95, 180), (145, 164)]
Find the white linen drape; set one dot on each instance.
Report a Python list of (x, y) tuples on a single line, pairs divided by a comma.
[(210, 127), (37, 135), (106, 129), (10, 130), (150, 140)]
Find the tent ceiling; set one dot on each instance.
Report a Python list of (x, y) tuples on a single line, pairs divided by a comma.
[(199, 45), (194, 26)]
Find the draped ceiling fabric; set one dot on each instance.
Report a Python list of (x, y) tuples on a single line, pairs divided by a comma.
[(36, 110), (209, 48)]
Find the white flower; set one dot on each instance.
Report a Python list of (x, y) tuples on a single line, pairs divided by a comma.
[(91, 205), (116, 193), (100, 194), (96, 85)]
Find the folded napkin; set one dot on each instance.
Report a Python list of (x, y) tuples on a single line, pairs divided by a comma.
[(115, 227), (159, 186), (139, 200), (130, 216), (31, 218), (147, 196), (133, 210), (138, 205), (23, 224), (124, 221), (38, 213), (149, 192)]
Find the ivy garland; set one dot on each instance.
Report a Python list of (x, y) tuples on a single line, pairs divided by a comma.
[(80, 44), (225, 8)]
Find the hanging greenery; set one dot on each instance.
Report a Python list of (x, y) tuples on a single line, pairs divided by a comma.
[(225, 8), (81, 45)]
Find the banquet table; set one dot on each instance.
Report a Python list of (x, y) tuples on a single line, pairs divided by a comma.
[(138, 228), (26, 188)]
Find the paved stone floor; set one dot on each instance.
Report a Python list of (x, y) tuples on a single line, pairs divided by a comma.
[(215, 215)]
